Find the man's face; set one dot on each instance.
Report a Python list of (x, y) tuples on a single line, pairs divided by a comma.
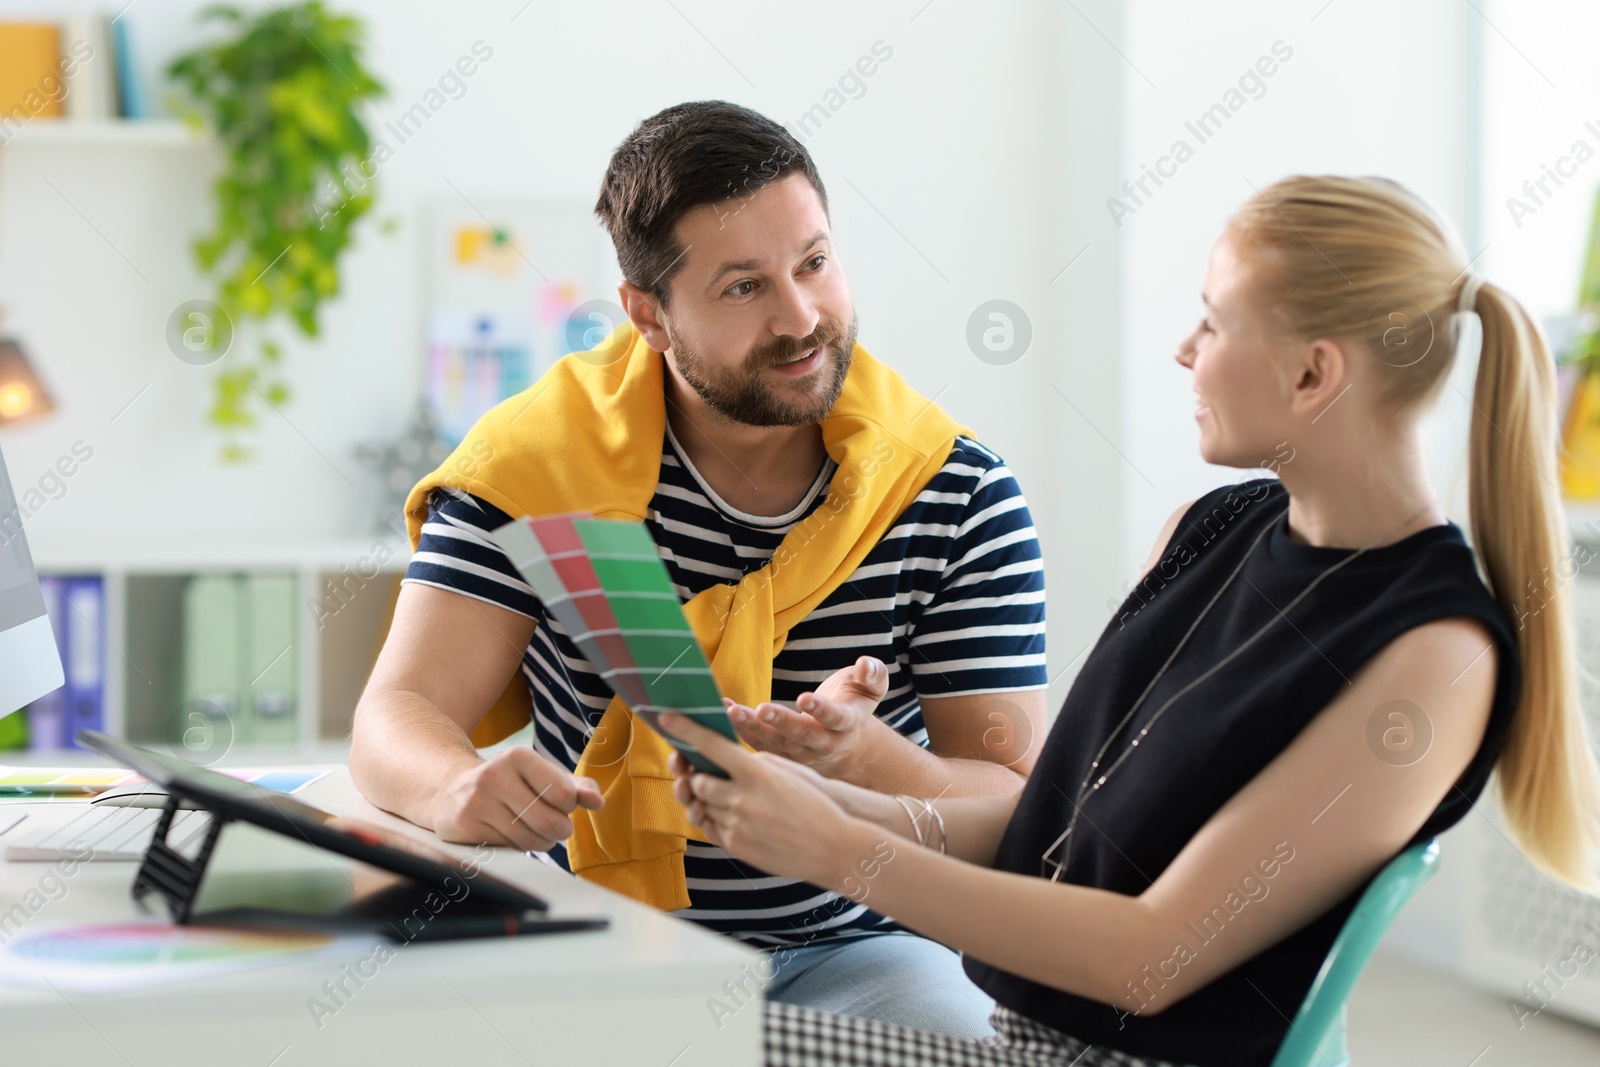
[(760, 320)]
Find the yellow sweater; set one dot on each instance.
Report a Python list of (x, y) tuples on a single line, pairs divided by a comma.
[(587, 436)]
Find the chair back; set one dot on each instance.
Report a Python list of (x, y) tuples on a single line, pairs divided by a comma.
[(1316, 1037)]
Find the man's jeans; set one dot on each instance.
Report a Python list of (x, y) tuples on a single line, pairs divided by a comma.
[(899, 978)]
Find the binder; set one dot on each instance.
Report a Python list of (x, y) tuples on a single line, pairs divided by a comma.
[(83, 657), (47, 716), (269, 659), (13, 735), (209, 717)]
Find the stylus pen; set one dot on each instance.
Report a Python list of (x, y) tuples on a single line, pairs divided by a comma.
[(508, 925)]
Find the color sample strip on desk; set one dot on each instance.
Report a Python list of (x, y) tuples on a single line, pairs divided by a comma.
[(43, 782), (35, 780)]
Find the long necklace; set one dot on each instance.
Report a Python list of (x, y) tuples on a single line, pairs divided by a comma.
[(1085, 788)]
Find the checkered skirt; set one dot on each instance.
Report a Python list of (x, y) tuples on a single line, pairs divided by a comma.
[(805, 1037)]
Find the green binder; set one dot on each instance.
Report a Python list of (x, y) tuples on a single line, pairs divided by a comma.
[(209, 719), (268, 678)]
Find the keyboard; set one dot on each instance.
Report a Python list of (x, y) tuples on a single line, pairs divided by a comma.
[(66, 831)]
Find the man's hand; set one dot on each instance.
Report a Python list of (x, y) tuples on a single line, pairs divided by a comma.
[(518, 798), (834, 726)]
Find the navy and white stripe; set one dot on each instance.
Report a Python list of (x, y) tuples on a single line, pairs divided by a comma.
[(951, 599)]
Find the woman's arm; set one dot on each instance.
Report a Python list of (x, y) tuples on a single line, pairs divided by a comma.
[(1317, 821), (973, 825)]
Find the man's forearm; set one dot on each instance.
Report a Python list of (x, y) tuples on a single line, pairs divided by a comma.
[(402, 749)]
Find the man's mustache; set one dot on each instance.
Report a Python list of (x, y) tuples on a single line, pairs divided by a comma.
[(783, 350)]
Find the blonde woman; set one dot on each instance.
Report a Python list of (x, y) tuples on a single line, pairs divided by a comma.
[(1311, 676)]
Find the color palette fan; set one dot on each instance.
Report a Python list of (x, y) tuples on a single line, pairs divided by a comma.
[(604, 582)]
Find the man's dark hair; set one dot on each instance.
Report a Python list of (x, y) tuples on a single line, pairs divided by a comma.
[(687, 156)]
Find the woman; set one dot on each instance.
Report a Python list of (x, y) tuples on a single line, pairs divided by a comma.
[(1311, 676)]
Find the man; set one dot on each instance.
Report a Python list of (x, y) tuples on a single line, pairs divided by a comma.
[(838, 541)]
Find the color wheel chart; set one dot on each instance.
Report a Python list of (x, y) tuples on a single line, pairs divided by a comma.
[(103, 957), (605, 584)]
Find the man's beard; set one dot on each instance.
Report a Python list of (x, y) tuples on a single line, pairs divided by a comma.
[(741, 395)]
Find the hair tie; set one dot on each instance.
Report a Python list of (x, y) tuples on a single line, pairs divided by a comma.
[(1468, 300)]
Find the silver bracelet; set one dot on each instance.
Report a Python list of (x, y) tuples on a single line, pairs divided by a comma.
[(943, 851), (905, 803)]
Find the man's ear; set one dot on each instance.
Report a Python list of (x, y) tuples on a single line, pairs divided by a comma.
[(1319, 374), (644, 311)]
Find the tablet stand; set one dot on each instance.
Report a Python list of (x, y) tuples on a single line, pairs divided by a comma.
[(170, 873), (177, 879)]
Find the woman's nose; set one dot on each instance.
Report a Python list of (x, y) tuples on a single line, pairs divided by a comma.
[(1185, 353)]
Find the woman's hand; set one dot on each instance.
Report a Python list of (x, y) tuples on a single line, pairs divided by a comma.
[(834, 728), (769, 811)]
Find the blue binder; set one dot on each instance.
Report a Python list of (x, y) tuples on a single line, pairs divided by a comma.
[(76, 605), (47, 716), (83, 657)]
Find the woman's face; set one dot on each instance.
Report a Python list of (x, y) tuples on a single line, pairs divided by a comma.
[(1236, 357)]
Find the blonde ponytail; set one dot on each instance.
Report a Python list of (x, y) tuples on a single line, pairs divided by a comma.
[(1351, 258), (1547, 779)]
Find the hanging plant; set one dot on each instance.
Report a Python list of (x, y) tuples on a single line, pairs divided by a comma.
[(280, 96)]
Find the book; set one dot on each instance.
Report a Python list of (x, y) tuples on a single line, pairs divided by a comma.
[(30, 74), (130, 100), (89, 63)]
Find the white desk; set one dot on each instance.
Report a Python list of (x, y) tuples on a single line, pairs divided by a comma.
[(634, 994)]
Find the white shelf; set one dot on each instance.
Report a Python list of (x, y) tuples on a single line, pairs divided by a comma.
[(345, 592), (120, 133), (225, 553)]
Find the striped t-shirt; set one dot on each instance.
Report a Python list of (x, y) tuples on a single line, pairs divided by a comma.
[(951, 600)]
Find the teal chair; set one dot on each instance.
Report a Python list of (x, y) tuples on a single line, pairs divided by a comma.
[(1316, 1036)]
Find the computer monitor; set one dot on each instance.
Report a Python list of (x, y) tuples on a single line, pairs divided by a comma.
[(30, 666)]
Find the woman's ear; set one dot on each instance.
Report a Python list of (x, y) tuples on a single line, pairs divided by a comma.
[(644, 311), (1319, 375)]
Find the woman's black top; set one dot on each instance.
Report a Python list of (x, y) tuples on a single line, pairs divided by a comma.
[(1215, 738)]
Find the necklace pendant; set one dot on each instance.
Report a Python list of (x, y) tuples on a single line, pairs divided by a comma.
[(1051, 868)]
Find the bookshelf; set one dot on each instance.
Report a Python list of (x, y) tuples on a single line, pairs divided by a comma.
[(143, 581), (336, 638)]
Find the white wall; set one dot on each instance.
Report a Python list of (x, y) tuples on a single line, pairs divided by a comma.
[(1371, 88), (1544, 96)]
